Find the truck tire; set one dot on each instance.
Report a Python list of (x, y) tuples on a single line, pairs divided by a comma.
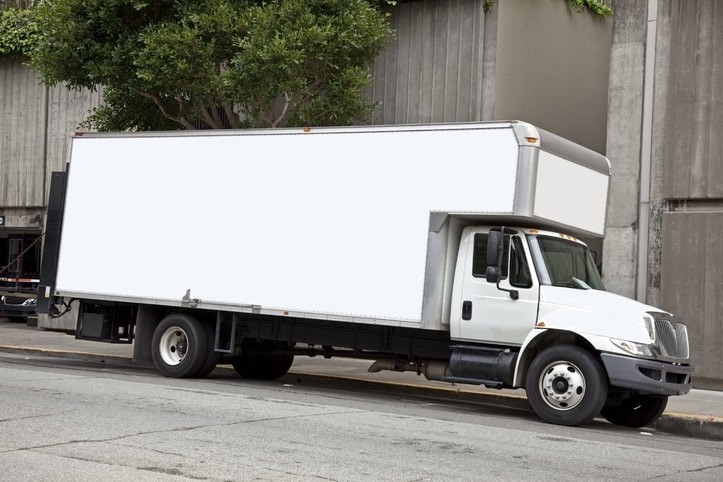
[(212, 357), (636, 411), (566, 385), (179, 346), (258, 362)]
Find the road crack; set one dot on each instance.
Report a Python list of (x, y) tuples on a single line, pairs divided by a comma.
[(173, 430)]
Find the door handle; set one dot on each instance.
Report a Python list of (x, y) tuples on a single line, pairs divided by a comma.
[(467, 310)]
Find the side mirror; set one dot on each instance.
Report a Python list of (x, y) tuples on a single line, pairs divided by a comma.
[(494, 256), (495, 248), (492, 274)]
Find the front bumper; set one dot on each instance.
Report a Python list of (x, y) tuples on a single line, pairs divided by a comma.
[(16, 308), (647, 376)]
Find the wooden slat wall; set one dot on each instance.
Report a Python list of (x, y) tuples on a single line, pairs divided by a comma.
[(692, 164), (692, 283), (66, 110), (35, 128), (694, 149), (432, 73), (22, 123)]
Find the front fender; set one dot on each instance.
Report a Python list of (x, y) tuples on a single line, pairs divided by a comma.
[(577, 327), (593, 324)]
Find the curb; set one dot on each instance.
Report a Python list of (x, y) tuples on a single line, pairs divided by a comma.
[(683, 424), (70, 355), (698, 426)]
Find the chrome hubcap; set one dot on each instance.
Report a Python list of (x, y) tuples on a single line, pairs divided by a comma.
[(562, 385), (173, 346)]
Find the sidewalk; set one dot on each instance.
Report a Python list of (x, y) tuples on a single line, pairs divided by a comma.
[(697, 414)]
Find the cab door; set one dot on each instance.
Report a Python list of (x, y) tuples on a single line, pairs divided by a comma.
[(486, 313)]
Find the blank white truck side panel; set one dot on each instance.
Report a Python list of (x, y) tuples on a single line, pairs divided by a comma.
[(318, 222)]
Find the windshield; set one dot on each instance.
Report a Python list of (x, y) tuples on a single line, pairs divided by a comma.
[(562, 262)]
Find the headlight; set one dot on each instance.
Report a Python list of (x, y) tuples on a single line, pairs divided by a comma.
[(637, 349), (29, 301)]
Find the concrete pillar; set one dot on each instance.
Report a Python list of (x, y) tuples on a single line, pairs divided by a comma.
[(624, 126)]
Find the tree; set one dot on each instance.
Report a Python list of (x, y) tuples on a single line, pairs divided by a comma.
[(213, 64), (18, 32), (16, 4)]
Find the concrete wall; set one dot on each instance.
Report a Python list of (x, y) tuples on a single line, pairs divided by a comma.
[(534, 60), (552, 68), (692, 179), (694, 147), (665, 114), (624, 134), (693, 285)]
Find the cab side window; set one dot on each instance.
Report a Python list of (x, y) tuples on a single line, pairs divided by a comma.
[(514, 263), (519, 269)]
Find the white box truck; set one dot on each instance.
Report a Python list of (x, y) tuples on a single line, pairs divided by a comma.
[(450, 250)]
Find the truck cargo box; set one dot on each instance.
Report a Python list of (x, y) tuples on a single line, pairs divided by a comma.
[(353, 224)]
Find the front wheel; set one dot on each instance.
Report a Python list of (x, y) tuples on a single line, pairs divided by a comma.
[(636, 411), (566, 385), (179, 346)]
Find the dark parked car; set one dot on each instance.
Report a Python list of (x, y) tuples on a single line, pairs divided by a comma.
[(17, 307)]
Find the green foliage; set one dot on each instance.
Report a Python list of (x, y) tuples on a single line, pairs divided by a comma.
[(16, 4), (314, 53), (217, 63), (18, 32), (595, 6)]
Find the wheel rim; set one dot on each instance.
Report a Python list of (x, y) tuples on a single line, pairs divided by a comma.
[(173, 346), (562, 385)]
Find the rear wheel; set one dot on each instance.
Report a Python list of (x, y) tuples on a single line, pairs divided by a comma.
[(566, 385), (265, 360), (636, 411), (179, 346)]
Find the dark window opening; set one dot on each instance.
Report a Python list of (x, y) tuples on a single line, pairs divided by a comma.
[(514, 263)]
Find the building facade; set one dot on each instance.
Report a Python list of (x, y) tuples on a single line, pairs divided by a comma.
[(665, 222), (643, 87)]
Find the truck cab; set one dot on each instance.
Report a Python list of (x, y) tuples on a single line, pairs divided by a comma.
[(532, 262), (531, 291)]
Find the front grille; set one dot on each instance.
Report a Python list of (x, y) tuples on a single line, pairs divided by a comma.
[(671, 339), (14, 300)]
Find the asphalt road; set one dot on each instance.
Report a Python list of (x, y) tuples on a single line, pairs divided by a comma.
[(68, 420)]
